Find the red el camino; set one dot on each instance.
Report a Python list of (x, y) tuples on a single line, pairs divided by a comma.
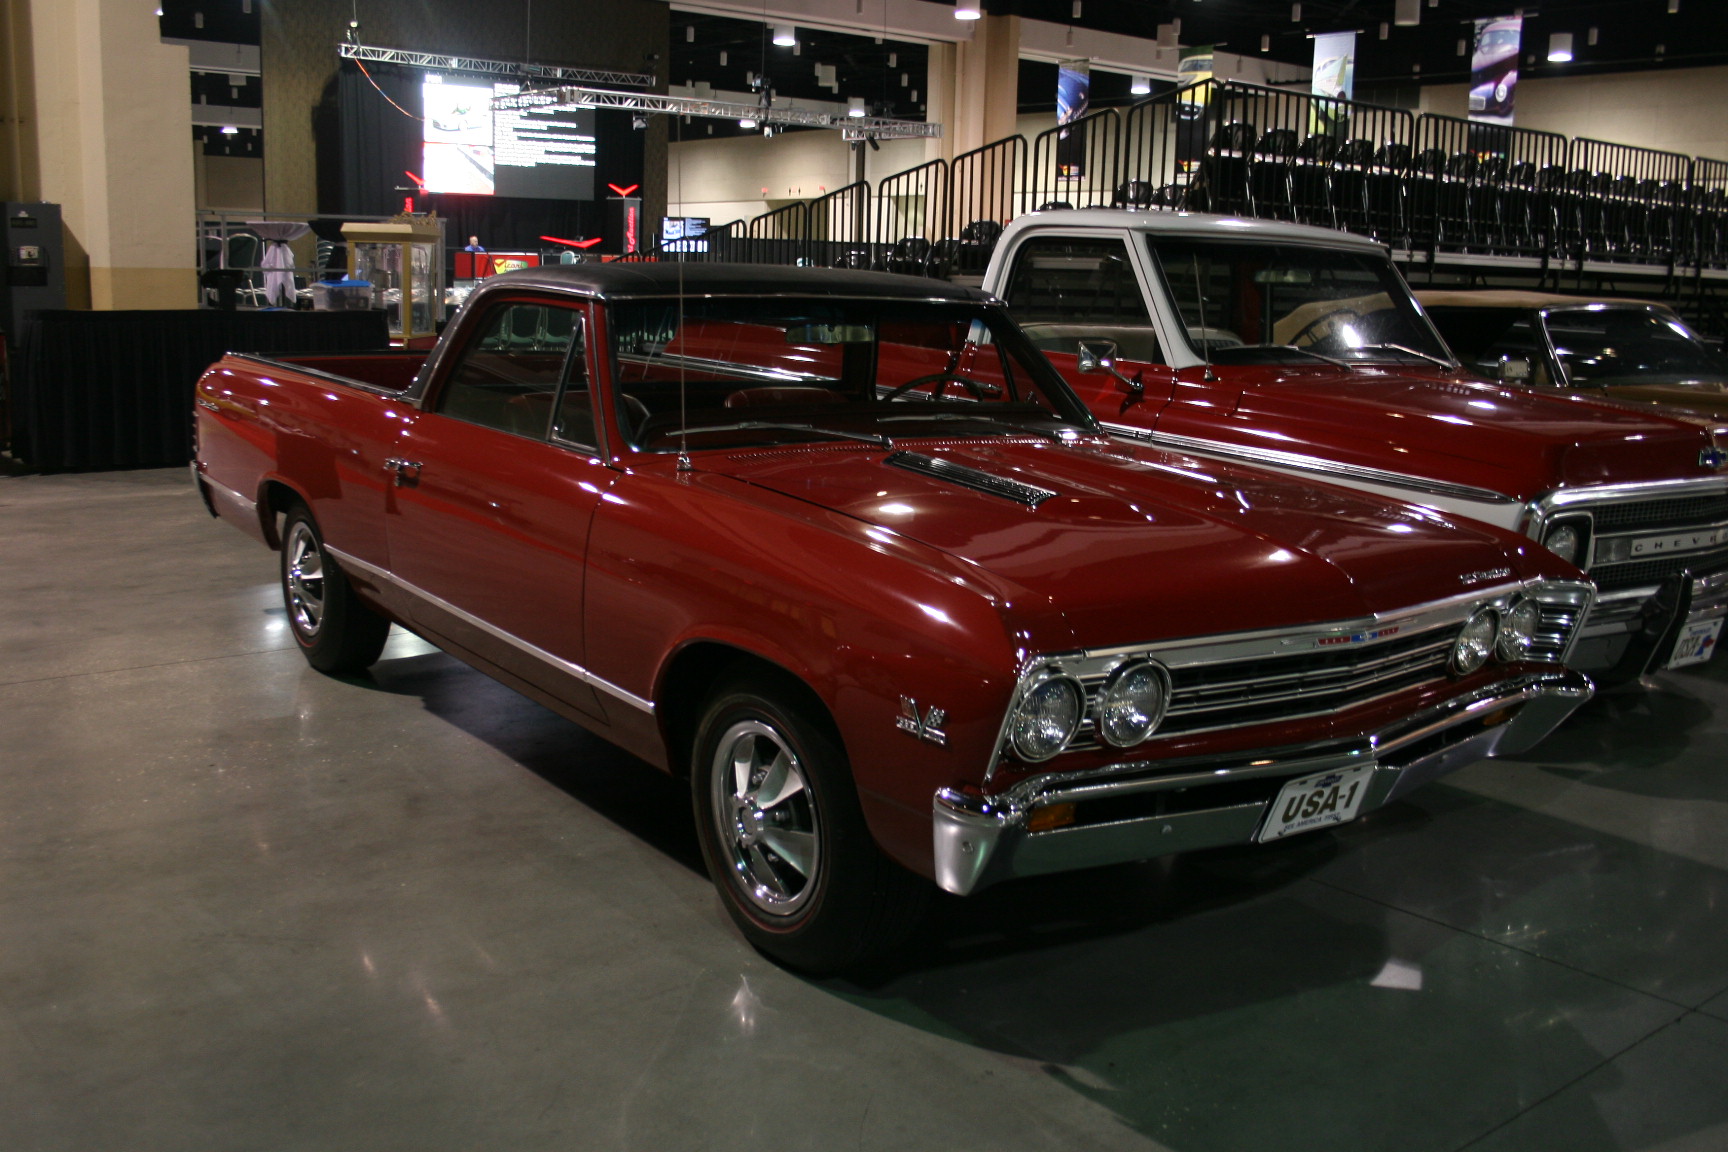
[(843, 550)]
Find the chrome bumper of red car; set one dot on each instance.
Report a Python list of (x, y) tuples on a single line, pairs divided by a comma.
[(1140, 810)]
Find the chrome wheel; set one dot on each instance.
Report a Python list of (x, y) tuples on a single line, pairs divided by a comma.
[(303, 579), (765, 814)]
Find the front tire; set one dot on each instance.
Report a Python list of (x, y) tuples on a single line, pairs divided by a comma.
[(784, 837), (336, 631)]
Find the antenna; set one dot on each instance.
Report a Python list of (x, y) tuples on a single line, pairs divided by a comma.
[(1205, 340), (684, 464)]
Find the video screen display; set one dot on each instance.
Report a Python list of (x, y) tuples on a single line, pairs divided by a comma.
[(471, 149), (684, 233)]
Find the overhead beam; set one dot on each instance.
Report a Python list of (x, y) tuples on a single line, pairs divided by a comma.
[(513, 69), (569, 96)]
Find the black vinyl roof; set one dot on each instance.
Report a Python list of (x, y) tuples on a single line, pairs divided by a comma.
[(619, 280)]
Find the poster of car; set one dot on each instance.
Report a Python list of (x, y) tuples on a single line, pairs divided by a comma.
[(1494, 69), (1073, 93), (1334, 82), (458, 151)]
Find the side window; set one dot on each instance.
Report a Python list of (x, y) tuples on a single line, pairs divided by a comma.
[(508, 376), (1065, 290)]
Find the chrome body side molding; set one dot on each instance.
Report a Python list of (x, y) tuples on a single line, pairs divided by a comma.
[(575, 671)]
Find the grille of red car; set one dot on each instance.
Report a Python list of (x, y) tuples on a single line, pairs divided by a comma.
[(1681, 512), (1613, 577)]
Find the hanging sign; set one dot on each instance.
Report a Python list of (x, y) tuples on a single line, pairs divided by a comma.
[(1073, 93), (1494, 68), (1334, 80)]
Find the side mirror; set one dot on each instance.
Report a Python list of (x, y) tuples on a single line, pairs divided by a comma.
[(1100, 356), (1097, 356), (1515, 370)]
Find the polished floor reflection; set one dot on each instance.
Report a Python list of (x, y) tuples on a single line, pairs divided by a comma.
[(245, 905)]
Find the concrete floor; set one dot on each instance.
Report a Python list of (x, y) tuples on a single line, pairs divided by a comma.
[(245, 905)]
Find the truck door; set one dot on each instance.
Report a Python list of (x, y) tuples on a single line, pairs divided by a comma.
[(1064, 289), (495, 489)]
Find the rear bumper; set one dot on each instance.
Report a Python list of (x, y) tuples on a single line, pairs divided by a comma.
[(1139, 810)]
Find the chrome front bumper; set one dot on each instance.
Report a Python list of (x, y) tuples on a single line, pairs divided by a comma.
[(1138, 810), (1631, 632)]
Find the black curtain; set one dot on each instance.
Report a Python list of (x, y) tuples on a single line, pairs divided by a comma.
[(379, 146)]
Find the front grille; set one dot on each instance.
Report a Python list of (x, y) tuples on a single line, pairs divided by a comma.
[(1681, 512), (1554, 630), (1269, 689), (1614, 577)]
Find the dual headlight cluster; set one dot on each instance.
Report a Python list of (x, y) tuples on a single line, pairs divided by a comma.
[(1504, 632), (1127, 711)]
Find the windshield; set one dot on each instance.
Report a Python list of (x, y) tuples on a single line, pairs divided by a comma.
[(1601, 346), (1269, 303), (723, 373)]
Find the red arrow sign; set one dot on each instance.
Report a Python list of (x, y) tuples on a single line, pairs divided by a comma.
[(573, 243), (623, 191)]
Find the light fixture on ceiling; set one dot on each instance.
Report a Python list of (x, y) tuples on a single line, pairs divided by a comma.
[(1590, 39), (855, 106), (746, 123), (1140, 85), (784, 36), (230, 130), (965, 11), (1407, 12), (1076, 10), (722, 57), (1673, 6), (689, 33), (1295, 13), (1265, 43), (1385, 29), (1559, 47), (1463, 47), (893, 59)]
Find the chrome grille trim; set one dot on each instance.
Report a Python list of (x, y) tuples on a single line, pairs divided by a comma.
[(1216, 680)]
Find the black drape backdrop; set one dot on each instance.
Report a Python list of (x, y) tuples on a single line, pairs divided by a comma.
[(379, 146)]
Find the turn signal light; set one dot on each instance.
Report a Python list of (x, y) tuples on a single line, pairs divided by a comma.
[(1049, 817)]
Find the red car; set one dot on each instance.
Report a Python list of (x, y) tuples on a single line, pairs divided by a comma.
[(1301, 349), (843, 550)]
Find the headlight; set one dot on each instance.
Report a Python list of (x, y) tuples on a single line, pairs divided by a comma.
[(1132, 703), (1476, 642), (1518, 630), (1046, 717), (1566, 540)]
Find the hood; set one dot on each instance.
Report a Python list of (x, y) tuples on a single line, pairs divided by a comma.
[(1134, 543), (1464, 431)]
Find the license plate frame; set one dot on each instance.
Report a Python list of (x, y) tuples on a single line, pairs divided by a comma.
[(1328, 798), (1696, 642)]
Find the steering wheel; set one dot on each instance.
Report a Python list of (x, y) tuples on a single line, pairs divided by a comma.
[(941, 380), (1341, 316)]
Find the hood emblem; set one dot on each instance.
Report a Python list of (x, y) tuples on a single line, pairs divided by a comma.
[(927, 727)]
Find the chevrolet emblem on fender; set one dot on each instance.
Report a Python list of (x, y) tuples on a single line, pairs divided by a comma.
[(928, 727)]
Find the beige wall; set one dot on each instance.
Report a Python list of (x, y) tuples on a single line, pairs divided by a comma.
[(230, 181), (1672, 111), (105, 132)]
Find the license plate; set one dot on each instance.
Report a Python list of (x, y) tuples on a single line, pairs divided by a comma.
[(1310, 802), (1697, 641)]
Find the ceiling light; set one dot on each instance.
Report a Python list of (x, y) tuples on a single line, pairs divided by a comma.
[(893, 59), (689, 33), (1559, 47), (230, 130), (746, 123), (965, 11), (722, 57), (1140, 85), (1385, 29), (1591, 38), (1673, 6), (1076, 9), (784, 36), (1265, 43), (1406, 12), (1295, 13), (855, 106), (1463, 48)]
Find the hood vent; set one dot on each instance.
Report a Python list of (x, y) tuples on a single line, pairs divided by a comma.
[(1014, 490)]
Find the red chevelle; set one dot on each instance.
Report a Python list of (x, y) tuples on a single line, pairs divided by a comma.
[(845, 551)]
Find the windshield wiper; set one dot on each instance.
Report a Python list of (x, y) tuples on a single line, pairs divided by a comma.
[(1227, 354), (1009, 428), (1408, 351), (770, 425)]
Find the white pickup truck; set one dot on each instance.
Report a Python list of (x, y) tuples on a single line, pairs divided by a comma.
[(1302, 350)]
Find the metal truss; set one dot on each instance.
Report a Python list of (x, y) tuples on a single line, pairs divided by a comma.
[(852, 128), (512, 69)]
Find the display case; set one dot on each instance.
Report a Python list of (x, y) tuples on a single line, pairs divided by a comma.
[(403, 261)]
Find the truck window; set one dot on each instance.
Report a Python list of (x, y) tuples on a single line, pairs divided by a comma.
[(1064, 290), (508, 376)]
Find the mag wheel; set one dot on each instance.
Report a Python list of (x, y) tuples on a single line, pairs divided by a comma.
[(334, 629), (784, 837)]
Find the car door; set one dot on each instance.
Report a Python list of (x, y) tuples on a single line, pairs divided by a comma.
[(1064, 289), (498, 479)]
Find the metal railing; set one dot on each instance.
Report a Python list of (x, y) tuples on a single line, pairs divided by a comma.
[(1074, 165)]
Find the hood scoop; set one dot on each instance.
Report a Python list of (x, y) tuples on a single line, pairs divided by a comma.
[(1027, 494)]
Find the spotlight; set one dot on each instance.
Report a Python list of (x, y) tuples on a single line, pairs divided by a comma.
[(784, 36), (1140, 85), (638, 121), (855, 106), (965, 11), (1559, 47)]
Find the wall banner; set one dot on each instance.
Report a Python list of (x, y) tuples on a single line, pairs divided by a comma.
[(1494, 69), (1073, 94), (1334, 79)]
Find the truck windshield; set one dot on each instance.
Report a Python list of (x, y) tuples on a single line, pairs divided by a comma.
[(727, 372), (1259, 303), (1601, 346)]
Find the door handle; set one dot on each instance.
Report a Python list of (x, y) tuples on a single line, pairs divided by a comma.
[(407, 472)]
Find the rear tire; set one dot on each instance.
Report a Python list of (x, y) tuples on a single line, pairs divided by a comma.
[(784, 837), (335, 630)]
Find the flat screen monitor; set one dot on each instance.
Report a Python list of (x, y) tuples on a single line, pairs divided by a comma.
[(684, 233), (471, 148)]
